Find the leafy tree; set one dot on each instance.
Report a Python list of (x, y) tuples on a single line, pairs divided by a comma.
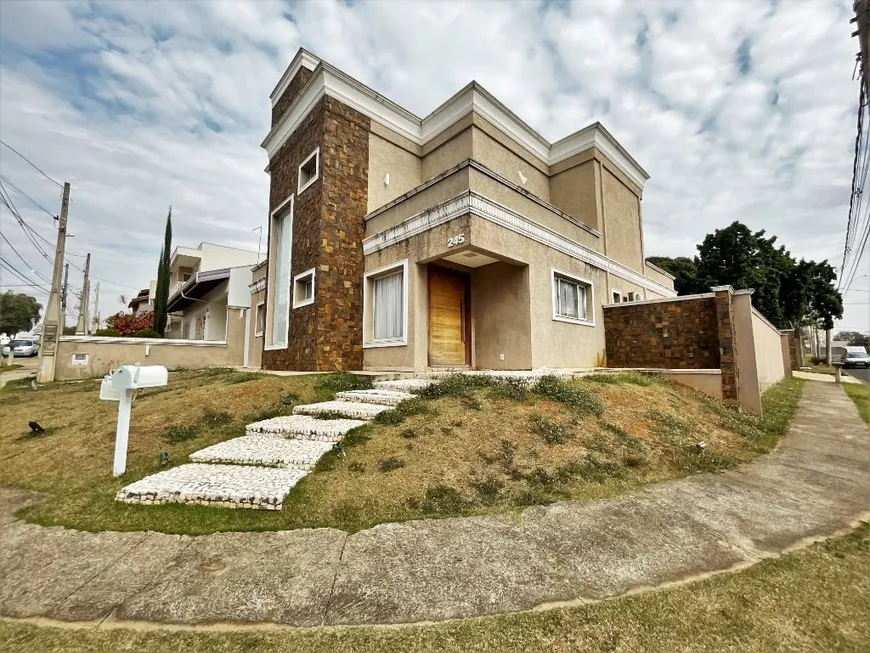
[(789, 293), (686, 272), (18, 312), (161, 294), (854, 339)]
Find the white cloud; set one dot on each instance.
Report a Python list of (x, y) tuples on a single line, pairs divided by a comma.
[(144, 104)]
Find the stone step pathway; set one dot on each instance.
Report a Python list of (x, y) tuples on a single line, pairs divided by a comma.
[(266, 451), (404, 385), (260, 468), (382, 397), (347, 409), (304, 427)]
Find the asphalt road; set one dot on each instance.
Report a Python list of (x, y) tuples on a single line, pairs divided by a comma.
[(863, 374)]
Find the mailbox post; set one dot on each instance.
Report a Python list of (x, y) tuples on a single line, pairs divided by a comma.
[(119, 386)]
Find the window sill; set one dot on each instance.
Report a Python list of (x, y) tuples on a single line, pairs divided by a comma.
[(308, 184), (374, 344), (275, 347), (304, 302), (571, 320), (258, 335)]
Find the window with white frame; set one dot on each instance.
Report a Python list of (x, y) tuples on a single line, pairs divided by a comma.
[(309, 170), (303, 289), (279, 303), (571, 298), (260, 323), (386, 294), (617, 296), (636, 296)]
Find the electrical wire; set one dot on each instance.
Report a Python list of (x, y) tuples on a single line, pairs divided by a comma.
[(18, 190), (28, 265), (18, 273), (54, 181)]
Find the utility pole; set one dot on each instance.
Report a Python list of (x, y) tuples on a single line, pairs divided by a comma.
[(51, 325), (64, 289), (96, 324), (82, 325)]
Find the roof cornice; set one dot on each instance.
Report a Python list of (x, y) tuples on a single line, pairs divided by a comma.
[(328, 80), (302, 58)]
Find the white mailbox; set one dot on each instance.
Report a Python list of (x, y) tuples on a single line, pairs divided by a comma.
[(119, 386), (133, 377)]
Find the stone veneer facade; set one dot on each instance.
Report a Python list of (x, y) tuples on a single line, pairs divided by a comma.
[(727, 345), (678, 334), (328, 229)]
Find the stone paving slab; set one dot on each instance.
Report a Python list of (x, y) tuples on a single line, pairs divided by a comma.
[(304, 427), (349, 409), (128, 575), (42, 567), (264, 450), (404, 385), (380, 396), (282, 577), (229, 486)]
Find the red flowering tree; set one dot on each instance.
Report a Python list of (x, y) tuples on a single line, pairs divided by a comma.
[(129, 324)]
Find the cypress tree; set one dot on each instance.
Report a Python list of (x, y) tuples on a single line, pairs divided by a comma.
[(161, 298)]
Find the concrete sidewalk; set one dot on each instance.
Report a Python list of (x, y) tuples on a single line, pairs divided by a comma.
[(816, 484)]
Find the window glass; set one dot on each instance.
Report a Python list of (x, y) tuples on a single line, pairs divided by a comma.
[(388, 308), (570, 299), (281, 303)]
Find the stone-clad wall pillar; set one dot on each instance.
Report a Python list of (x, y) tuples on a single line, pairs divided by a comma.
[(727, 344)]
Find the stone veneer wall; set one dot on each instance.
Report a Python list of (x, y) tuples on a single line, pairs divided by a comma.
[(328, 229), (344, 159), (290, 94), (727, 346), (677, 334)]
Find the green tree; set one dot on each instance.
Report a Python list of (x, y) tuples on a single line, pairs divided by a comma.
[(686, 272), (18, 312), (854, 338), (161, 294)]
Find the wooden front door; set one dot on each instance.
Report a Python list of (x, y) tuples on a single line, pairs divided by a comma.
[(449, 326)]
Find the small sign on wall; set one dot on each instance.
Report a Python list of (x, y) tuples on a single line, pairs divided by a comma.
[(79, 360)]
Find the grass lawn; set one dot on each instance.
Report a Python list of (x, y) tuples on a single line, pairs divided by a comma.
[(860, 394), (466, 449), (816, 599), (821, 368)]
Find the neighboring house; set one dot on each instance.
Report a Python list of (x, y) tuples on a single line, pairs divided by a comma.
[(204, 283), (257, 323), (460, 239), (142, 303)]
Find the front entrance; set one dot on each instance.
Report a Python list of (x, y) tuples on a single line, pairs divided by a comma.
[(449, 323)]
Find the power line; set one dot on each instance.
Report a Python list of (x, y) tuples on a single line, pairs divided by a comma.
[(11, 268), (18, 190), (29, 267), (54, 181)]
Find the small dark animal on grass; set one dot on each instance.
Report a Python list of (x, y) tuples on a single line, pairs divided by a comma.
[(36, 428)]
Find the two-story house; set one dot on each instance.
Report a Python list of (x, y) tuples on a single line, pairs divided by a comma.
[(460, 239), (204, 282)]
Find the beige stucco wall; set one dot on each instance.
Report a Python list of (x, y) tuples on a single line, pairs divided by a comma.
[(651, 273), (707, 381), (496, 156), (498, 192), (621, 227), (768, 352), (105, 354), (501, 317), (403, 166), (440, 191), (749, 390), (448, 154), (574, 191)]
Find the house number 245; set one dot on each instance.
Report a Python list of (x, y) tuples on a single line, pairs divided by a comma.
[(458, 239)]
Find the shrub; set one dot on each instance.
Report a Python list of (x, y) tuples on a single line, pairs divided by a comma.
[(552, 431), (344, 381), (146, 333), (818, 360), (389, 418), (443, 500), (389, 464), (180, 433), (358, 467), (214, 418), (107, 333), (128, 324), (635, 378), (488, 490), (580, 399), (517, 389), (456, 385), (409, 434)]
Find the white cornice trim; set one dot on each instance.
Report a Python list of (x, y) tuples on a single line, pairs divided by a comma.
[(328, 80), (302, 58), (482, 207)]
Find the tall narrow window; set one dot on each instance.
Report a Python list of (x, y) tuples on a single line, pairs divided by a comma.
[(388, 311), (282, 227)]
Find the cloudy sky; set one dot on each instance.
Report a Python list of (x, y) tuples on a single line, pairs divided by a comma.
[(738, 110)]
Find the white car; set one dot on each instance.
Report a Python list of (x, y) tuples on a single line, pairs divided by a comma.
[(22, 347)]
